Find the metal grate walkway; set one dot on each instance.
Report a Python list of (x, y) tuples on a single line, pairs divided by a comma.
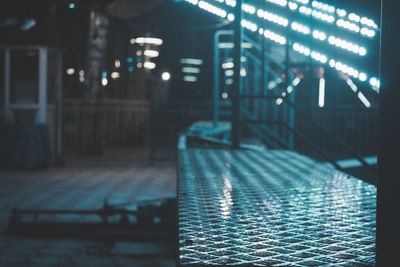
[(271, 208)]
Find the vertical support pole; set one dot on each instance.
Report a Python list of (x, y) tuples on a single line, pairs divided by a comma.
[(292, 99), (269, 106), (356, 136), (216, 78), (236, 88), (388, 214), (257, 87), (275, 115), (262, 80), (334, 117), (152, 136), (310, 132), (7, 84), (287, 109), (42, 111), (224, 59), (254, 88), (59, 103)]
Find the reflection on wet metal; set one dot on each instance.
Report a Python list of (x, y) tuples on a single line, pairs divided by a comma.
[(226, 202), (271, 208)]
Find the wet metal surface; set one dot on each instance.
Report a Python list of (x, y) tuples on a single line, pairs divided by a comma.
[(271, 208)]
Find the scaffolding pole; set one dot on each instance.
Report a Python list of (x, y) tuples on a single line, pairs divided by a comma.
[(237, 80)]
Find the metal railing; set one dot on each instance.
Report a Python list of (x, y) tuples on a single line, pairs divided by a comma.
[(272, 114), (127, 130), (108, 129)]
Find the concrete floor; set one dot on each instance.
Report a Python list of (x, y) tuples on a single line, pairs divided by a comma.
[(81, 186)]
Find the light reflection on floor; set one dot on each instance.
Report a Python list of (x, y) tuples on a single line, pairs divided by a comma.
[(275, 208)]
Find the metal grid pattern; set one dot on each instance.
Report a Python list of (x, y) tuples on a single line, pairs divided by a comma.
[(271, 208), (83, 187)]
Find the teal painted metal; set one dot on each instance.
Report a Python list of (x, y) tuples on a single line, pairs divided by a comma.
[(271, 208), (217, 36), (237, 81)]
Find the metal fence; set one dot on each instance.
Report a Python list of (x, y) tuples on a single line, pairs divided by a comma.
[(111, 130), (126, 130), (357, 127)]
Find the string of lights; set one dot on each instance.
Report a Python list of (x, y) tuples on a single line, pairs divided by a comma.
[(323, 12)]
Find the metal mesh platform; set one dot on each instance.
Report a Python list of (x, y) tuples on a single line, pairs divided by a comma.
[(271, 208)]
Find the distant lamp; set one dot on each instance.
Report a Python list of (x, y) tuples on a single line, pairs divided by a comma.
[(151, 53), (166, 76), (149, 65), (71, 5), (115, 75), (243, 72), (70, 71), (28, 24), (81, 76)]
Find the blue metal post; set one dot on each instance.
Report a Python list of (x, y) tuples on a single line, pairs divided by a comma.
[(292, 98), (217, 36), (216, 78), (236, 88)]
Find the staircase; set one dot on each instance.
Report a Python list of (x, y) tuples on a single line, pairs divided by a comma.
[(269, 109)]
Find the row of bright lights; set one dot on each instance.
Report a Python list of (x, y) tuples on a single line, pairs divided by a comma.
[(248, 9), (323, 7), (278, 2), (351, 26), (165, 76), (249, 25), (272, 17), (149, 53), (147, 40), (347, 45), (342, 23), (318, 14), (319, 35), (231, 3), (300, 28), (191, 68), (347, 70), (374, 82), (272, 36), (212, 9), (304, 29), (331, 10)]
